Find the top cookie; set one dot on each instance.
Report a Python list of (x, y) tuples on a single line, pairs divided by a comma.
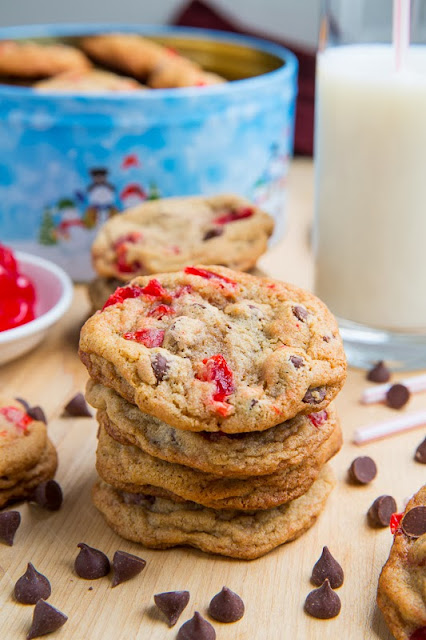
[(209, 349), (168, 234), (126, 52), (401, 594), (32, 60), (22, 439)]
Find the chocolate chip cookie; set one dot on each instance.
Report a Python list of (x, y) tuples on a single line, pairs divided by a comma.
[(128, 53), (88, 81), (160, 523), (22, 484), (27, 457), (129, 468), (210, 349), (29, 60), (168, 234), (401, 594), (179, 72), (22, 439), (229, 455)]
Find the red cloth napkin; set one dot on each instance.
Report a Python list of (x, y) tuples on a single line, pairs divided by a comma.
[(199, 14)]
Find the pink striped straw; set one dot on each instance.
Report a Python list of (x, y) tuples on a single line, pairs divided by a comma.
[(401, 31)]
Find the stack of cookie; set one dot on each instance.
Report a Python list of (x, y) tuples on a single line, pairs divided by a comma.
[(213, 391), (27, 457), (168, 234)]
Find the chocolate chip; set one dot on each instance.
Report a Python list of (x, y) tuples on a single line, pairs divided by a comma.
[(327, 567), (9, 523), (46, 619), (137, 498), (125, 566), (172, 603), (379, 373), (226, 606), (314, 396), (323, 603), (326, 338), (414, 522), (253, 403), (160, 366), (362, 470), (300, 313), (77, 407), (48, 495), (91, 563), (24, 403), (37, 413), (32, 586), (196, 629), (379, 514), (397, 396), (212, 233), (420, 455), (296, 362)]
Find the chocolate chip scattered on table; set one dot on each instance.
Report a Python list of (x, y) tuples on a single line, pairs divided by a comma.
[(32, 586), (323, 602), (379, 373), (172, 604), (362, 470), (327, 567), (226, 606), (91, 563)]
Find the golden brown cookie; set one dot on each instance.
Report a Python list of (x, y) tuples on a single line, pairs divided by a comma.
[(129, 468), (210, 349), (22, 439), (401, 594), (160, 523), (233, 455), (23, 483), (168, 234), (88, 81), (32, 60), (129, 53), (179, 72)]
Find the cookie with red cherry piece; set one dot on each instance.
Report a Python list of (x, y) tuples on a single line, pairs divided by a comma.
[(230, 455), (401, 593), (127, 467), (210, 349), (127, 53), (168, 234), (22, 485), (22, 439), (88, 81), (32, 60), (178, 72), (161, 522)]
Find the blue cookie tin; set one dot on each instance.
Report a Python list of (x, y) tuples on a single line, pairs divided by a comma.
[(69, 161)]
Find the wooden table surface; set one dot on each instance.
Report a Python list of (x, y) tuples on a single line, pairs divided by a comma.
[(273, 587)]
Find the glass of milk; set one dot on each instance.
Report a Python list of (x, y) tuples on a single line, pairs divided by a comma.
[(370, 180)]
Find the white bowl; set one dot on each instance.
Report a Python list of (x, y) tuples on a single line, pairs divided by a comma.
[(54, 293)]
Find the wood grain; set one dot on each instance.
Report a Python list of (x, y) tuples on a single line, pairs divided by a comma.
[(274, 587)]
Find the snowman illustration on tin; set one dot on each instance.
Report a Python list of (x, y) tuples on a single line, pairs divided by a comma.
[(100, 197)]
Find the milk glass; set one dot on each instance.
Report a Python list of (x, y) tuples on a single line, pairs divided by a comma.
[(370, 182)]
